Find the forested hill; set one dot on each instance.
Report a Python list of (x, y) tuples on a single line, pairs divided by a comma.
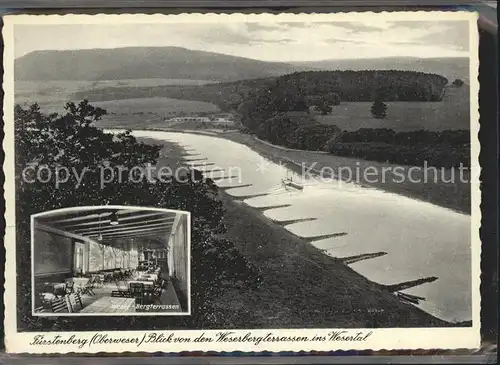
[(451, 68), (143, 63), (348, 85)]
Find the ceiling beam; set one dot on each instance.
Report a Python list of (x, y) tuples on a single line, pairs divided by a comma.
[(74, 215), (122, 225), (147, 235), (158, 228), (62, 233), (150, 244), (135, 235), (83, 214), (95, 221), (139, 230), (117, 229)]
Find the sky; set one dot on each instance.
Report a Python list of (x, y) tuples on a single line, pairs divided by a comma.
[(271, 41)]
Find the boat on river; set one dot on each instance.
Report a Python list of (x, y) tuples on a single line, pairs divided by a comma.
[(289, 183)]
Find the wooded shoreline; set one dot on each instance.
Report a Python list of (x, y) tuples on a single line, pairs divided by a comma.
[(433, 189)]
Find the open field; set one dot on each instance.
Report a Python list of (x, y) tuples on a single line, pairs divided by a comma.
[(155, 105), (52, 95), (70, 86), (450, 113), (145, 112)]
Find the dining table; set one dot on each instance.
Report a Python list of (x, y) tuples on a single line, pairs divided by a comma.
[(111, 305), (148, 277), (144, 282), (56, 289), (79, 282)]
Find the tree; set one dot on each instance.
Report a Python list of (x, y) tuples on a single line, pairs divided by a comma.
[(379, 109), (332, 98), (324, 108), (71, 140), (278, 129), (458, 82)]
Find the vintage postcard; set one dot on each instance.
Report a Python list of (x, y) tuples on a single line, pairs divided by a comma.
[(259, 182)]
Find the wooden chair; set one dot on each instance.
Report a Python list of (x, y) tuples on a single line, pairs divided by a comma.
[(77, 300), (70, 287), (121, 294), (40, 309), (60, 305), (156, 294), (88, 288), (98, 280), (120, 290), (137, 291), (149, 291)]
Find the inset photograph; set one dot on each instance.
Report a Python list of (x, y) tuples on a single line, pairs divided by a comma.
[(111, 260)]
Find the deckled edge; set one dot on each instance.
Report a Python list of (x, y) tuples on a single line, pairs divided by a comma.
[(10, 294)]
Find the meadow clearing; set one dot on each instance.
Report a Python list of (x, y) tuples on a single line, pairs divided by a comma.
[(450, 113), (53, 95), (146, 112)]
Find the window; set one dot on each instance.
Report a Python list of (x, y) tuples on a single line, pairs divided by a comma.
[(79, 257)]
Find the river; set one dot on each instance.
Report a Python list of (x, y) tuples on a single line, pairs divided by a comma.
[(420, 239)]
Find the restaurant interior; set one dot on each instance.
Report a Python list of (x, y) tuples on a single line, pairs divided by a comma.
[(105, 260)]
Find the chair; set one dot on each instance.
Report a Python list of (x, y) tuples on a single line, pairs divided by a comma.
[(60, 305), (148, 293), (137, 291), (40, 309), (88, 288), (120, 288), (121, 294), (70, 287), (42, 304), (156, 294), (99, 280), (77, 299)]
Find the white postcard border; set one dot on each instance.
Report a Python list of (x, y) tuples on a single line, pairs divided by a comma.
[(376, 339)]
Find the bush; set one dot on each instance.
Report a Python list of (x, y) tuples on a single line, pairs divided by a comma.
[(313, 137), (438, 156), (446, 148), (379, 109)]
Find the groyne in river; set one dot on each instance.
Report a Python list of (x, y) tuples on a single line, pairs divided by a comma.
[(396, 239)]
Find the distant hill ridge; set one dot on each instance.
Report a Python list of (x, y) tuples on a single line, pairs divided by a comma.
[(183, 63), (143, 63)]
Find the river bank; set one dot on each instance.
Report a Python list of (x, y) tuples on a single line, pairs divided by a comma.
[(303, 287), (448, 188)]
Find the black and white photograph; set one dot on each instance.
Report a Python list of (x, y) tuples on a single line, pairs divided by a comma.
[(247, 182), (110, 261)]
